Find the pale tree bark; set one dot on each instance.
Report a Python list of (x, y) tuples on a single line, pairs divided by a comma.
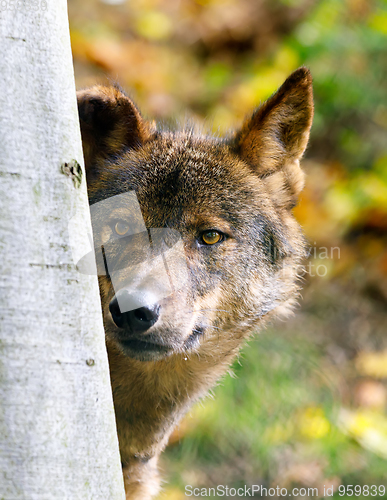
[(57, 427)]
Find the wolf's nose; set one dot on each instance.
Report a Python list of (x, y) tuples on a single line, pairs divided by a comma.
[(137, 320)]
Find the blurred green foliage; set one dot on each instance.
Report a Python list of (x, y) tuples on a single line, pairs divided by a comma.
[(273, 423)]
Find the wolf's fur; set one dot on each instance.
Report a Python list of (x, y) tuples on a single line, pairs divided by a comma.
[(244, 187)]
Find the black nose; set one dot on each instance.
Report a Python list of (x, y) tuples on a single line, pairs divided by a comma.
[(136, 320)]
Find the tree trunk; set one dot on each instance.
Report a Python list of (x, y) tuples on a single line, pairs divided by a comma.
[(57, 429)]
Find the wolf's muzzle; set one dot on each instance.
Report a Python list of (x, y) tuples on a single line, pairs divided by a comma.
[(135, 312)]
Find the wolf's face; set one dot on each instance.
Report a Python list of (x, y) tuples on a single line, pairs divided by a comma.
[(199, 244)]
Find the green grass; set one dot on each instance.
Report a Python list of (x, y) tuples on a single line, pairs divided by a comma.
[(277, 412)]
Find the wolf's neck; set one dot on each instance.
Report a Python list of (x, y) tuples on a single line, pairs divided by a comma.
[(151, 397)]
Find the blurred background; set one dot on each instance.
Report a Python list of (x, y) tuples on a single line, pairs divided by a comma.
[(306, 404)]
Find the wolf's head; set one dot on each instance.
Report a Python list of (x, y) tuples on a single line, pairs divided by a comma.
[(199, 242)]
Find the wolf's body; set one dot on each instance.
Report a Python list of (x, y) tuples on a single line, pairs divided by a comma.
[(230, 203)]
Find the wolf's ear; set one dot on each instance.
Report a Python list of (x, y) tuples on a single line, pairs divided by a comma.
[(274, 138), (110, 123)]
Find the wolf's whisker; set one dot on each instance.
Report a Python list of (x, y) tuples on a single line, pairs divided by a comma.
[(210, 310)]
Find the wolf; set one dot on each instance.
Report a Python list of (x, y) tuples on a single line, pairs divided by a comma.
[(199, 250)]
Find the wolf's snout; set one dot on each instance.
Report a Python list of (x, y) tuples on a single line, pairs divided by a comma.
[(135, 312)]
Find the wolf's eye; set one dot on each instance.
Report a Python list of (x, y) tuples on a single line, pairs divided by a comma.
[(121, 228), (211, 237)]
